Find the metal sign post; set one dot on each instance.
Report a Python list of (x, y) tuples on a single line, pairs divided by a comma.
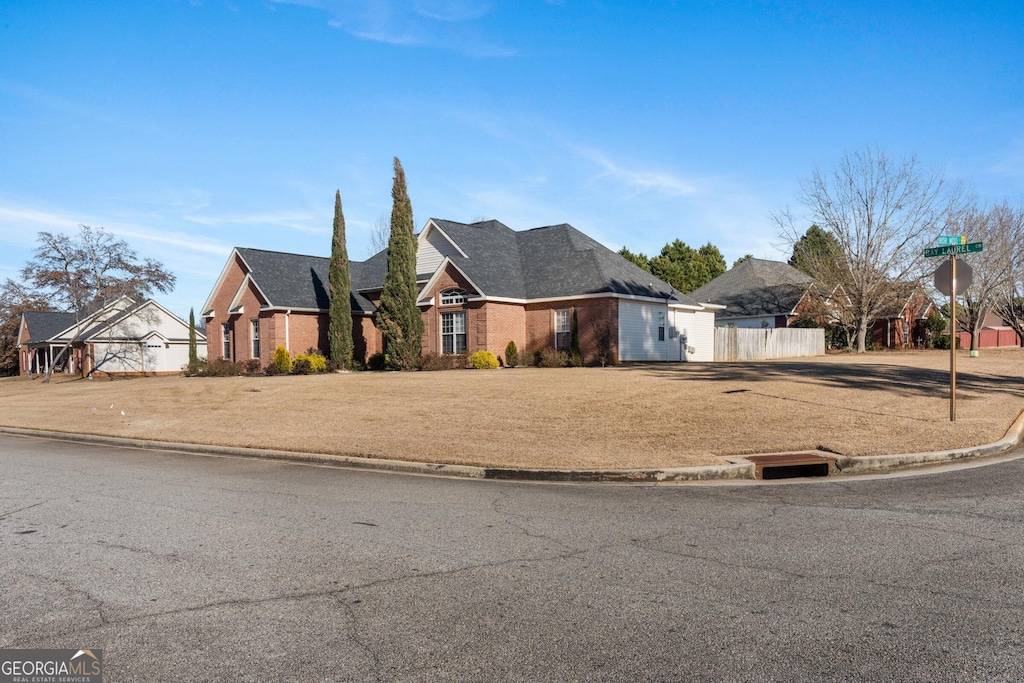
[(952, 339), (951, 246)]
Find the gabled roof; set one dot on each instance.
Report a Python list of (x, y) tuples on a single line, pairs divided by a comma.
[(63, 327), (301, 282), (756, 287), (45, 325), (557, 261), (549, 262)]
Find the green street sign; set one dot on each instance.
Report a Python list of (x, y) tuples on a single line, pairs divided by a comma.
[(953, 249), (948, 240)]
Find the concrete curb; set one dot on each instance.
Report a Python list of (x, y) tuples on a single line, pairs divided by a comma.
[(263, 453), (740, 470), (882, 463)]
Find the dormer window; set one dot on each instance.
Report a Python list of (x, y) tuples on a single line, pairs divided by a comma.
[(451, 297)]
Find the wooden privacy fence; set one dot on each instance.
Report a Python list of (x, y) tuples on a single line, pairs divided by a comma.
[(736, 343)]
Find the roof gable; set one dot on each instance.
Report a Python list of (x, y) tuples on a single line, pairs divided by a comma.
[(756, 287), (555, 261)]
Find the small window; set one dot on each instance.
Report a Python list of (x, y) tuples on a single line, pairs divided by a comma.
[(255, 338), (661, 325), (563, 329), (450, 297), (226, 332), (453, 333)]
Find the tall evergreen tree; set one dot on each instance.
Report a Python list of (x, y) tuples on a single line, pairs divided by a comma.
[(398, 315), (339, 331), (193, 352)]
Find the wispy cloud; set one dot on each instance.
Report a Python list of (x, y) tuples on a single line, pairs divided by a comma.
[(452, 25), (641, 180), (300, 221), (48, 100), (19, 225)]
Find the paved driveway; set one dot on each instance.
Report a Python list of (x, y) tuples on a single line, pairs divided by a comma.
[(184, 567)]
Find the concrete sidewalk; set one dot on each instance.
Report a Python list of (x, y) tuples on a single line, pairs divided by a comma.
[(740, 468)]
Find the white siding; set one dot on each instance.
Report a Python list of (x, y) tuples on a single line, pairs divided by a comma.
[(116, 349), (638, 333), (698, 327), (432, 251)]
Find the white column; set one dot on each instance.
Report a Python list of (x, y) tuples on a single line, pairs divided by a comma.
[(287, 338)]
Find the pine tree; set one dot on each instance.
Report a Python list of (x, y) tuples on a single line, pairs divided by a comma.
[(398, 315), (339, 331), (193, 355)]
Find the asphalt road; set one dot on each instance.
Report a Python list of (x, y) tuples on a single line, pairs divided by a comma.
[(191, 568)]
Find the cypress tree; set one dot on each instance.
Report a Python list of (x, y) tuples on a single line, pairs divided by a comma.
[(339, 331), (398, 315), (193, 355)]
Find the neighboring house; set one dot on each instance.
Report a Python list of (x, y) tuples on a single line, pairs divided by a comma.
[(904, 324), (481, 286), (758, 293), (994, 333), (124, 336)]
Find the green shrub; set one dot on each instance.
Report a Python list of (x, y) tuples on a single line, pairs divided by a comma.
[(272, 370), (549, 357), (377, 361), (282, 360), (942, 342), (484, 360), (511, 355)]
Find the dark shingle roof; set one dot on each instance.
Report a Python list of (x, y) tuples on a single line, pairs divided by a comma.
[(46, 325), (756, 287), (299, 281), (555, 261)]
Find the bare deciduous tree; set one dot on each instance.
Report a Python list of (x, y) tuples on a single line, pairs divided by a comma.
[(380, 234), (15, 299), (83, 272), (881, 211), (991, 266), (1008, 300)]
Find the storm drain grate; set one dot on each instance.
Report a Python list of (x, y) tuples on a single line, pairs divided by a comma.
[(790, 465)]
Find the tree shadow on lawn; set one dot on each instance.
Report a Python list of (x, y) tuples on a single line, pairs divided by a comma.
[(891, 378)]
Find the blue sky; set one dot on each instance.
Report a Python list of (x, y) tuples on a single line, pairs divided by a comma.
[(188, 128)]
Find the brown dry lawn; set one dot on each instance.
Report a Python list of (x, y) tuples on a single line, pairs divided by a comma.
[(647, 416)]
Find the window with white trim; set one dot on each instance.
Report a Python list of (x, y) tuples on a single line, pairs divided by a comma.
[(450, 297), (563, 328), (453, 332), (255, 338), (661, 325), (226, 336)]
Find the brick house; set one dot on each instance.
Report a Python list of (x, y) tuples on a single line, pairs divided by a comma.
[(903, 324), (481, 286)]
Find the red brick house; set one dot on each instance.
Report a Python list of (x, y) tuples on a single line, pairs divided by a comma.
[(481, 286), (903, 325)]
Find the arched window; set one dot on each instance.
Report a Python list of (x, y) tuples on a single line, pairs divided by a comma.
[(450, 297)]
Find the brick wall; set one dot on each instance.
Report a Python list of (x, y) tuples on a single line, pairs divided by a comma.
[(503, 323), (594, 316)]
